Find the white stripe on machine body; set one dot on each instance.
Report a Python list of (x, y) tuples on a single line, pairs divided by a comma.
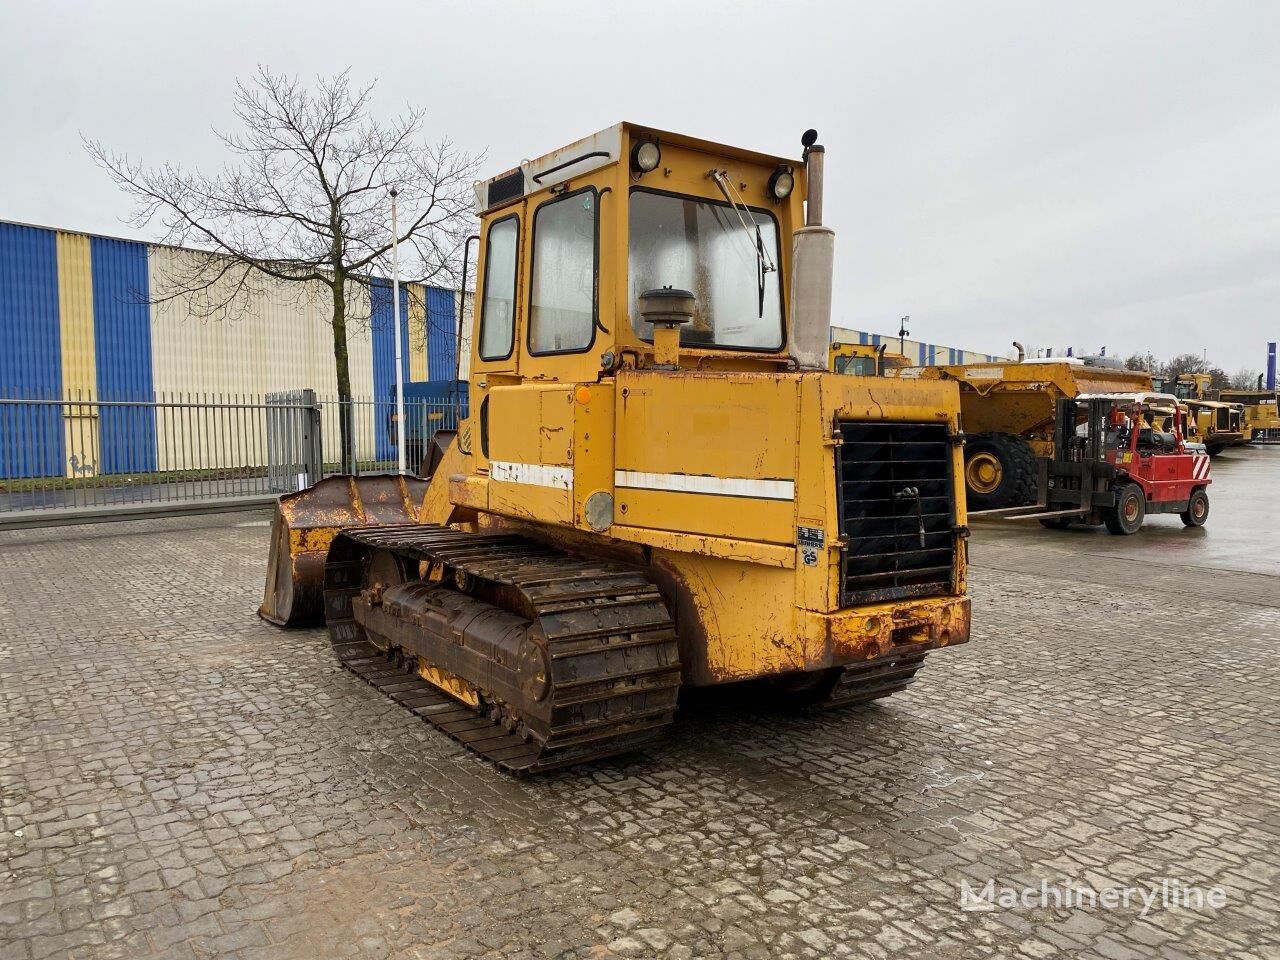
[(1201, 470), (532, 474), (716, 486)]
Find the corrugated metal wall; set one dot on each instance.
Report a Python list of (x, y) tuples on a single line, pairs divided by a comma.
[(417, 331), (79, 356), (382, 326), (918, 352), (31, 439), (278, 339), (195, 355), (122, 347), (76, 324), (442, 334)]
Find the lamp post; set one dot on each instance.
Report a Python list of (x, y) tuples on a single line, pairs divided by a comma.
[(395, 310), (902, 335)]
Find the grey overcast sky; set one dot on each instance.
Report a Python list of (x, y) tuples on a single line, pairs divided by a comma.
[(1067, 174)]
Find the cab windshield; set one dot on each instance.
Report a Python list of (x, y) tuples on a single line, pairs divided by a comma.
[(702, 246)]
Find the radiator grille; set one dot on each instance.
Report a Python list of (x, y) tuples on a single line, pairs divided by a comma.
[(877, 466)]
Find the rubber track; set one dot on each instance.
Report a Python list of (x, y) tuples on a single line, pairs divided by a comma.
[(863, 682), (604, 623)]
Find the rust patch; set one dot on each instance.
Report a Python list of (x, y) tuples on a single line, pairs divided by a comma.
[(306, 524)]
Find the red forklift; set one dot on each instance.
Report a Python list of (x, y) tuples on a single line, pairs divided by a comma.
[(1113, 464)]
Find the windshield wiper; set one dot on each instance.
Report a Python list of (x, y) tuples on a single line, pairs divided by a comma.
[(760, 262), (764, 263)]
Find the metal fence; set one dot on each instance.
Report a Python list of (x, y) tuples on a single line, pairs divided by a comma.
[(81, 458)]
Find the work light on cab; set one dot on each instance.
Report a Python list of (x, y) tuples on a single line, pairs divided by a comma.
[(782, 183), (645, 156)]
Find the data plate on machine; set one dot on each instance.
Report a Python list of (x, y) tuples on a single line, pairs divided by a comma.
[(810, 540)]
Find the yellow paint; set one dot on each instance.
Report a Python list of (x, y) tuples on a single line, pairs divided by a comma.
[(769, 521), (863, 360), (417, 332), (726, 548), (1261, 414), (702, 473), (311, 539), (451, 684), (1217, 424), (1194, 386), (1021, 398), (79, 362)]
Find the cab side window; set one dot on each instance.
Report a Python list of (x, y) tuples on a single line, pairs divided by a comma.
[(498, 310), (562, 287)]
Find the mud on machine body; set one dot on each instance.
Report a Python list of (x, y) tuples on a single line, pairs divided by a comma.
[(659, 484)]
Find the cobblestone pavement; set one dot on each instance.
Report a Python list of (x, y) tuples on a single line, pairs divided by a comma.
[(179, 779)]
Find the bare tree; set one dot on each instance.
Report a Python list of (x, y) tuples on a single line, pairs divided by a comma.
[(1218, 378), (1245, 379), (1185, 363), (304, 200), (1142, 361)]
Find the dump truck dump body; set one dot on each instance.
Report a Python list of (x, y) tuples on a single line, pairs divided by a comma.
[(1008, 412)]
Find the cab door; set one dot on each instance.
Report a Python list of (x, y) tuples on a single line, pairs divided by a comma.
[(570, 259), (495, 355), (532, 409)]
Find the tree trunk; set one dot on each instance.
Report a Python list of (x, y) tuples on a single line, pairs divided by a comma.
[(346, 422)]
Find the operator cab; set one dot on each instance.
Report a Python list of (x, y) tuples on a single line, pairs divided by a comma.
[(573, 240)]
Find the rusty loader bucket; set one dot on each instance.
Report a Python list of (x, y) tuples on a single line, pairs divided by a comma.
[(306, 523)]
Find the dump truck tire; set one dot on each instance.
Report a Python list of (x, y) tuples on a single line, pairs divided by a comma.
[(999, 471)]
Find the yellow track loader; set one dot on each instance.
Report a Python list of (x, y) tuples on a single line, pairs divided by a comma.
[(659, 484)]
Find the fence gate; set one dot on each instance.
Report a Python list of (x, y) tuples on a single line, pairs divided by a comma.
[(294, 447)]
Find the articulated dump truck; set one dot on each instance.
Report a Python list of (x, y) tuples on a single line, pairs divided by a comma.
[(1214, 423), (1009, 410), (659, 484), (1261, 413)]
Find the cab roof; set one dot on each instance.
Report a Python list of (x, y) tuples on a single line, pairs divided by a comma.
[(600, 149), (1145, 396)]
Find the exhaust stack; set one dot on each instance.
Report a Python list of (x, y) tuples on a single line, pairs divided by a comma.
[(1022, 353), (812, 268)]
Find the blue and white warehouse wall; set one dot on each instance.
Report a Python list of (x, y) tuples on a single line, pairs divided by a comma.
[(921, 354), (76, 323)]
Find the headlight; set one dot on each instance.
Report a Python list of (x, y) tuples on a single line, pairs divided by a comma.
[(782, 183), (645, 156)]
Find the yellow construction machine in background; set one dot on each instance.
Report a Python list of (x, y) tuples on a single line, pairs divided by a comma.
[(1009, 408), (660, 483), (1214, 423), (1261, 417), (864, 359)]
